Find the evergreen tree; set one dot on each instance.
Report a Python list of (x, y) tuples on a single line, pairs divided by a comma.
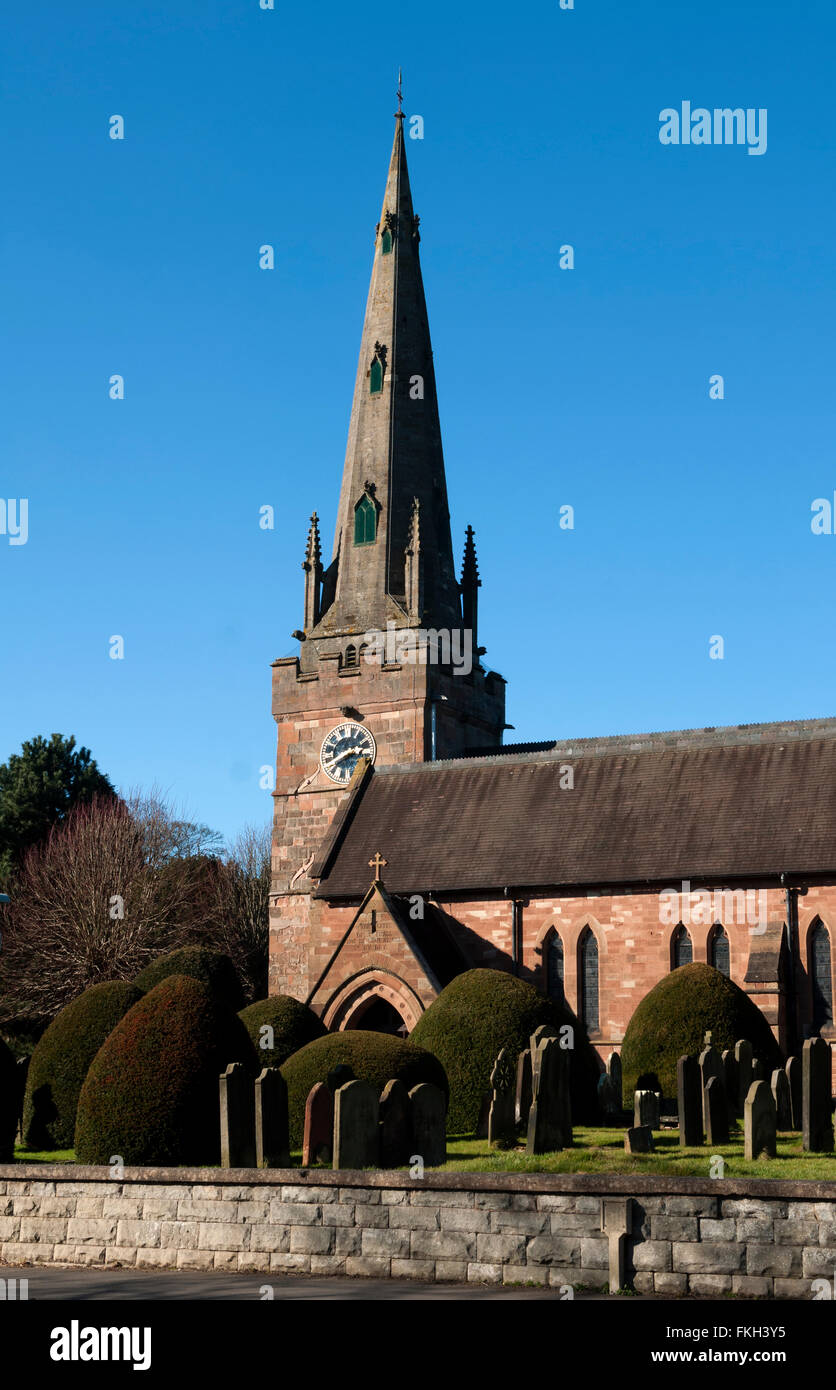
[(39, 787)]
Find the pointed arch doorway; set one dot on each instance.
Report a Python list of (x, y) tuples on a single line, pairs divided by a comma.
[(377, 1001)]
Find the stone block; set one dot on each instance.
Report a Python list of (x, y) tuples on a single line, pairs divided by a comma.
[(368, 1266), (561, 1250), (674, 1285), (295, 1213), (674, 1228), (722, 1229), (644, 1282), (525, 1274), (272, 1238), (594, 1252), (464, 1219), (347, 1240), (312, 1193), (791, 1288), (773, 1260), (327, 1264), (506, 1247), (201, 1259), (414, 1218), (765, 1209), (154, 1259), (654, 1255), (281, 1263), (818, 1261), (394, 1197), (443, 1245), (484, 1273), (145, 1233), (102, 1231), (749, 1287), (394, 1244), (529, 1223), (709, 1285), (120, 1256), (194, 1209), (413, 1269), (177, 1235), (366, 1196), (37, 1229), (338, 1214), (791, 1232), (375, 1216), (222, 1235), (312, 1240), (708, 1257)]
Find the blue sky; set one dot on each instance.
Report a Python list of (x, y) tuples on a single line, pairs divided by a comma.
[(587, 387)]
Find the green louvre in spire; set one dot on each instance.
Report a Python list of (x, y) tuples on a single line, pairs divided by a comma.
[(386, 242), (365, 521), (376, 377)]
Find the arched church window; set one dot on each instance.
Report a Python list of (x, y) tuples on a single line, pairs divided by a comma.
[(365, 521), (350, 658), (682, 948), (386, 242), (588, 974), (821, 977), (720, 957), (554, 967), (376, 377)]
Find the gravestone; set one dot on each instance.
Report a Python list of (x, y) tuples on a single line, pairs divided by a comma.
[(816, 1121), (608, 1106), (783, 1101), (715, 1112), (689, 1101), (758, 1069), (743, 1057), (502, 1128), (523, 1097), (338, 1076), (547, 1118), (237, 1118), (317, 1144), (272, 1130), (647, 1109), (395, 1126), (759, 1122), (639, 1139), (730, 1081), (614, 1073), (356, 1126), (429, 1111), (793, 1070)]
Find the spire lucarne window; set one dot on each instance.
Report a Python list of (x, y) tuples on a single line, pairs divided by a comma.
[(365, 521)]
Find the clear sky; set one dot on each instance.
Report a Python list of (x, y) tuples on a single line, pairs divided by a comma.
[(587, 387)]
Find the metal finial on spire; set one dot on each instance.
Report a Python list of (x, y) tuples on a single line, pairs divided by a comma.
[(400, 110)]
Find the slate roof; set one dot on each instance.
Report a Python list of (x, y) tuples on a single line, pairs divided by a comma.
[(737, 803)]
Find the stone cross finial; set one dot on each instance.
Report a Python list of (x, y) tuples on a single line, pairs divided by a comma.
[(377, 864)]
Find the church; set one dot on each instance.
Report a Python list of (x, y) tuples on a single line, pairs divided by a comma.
[(410, 843)]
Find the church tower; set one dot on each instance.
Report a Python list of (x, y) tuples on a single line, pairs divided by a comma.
[(389, 670)]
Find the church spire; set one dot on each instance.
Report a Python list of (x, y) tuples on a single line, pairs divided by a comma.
[(470, 586), (394, 455)]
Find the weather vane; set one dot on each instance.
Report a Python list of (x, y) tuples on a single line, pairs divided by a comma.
[(399, 111)]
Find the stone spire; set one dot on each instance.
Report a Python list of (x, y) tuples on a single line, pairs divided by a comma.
[(394, 457), (312, 565)]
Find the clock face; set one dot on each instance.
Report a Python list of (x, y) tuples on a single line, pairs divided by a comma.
[(342, 748)]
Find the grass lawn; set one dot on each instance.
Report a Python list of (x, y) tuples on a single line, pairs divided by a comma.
[(602, 1151)]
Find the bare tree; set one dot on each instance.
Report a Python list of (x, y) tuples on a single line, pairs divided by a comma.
[(105, 893), (241, 907)]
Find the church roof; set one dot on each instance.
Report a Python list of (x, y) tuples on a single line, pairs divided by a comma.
[(754, 801)]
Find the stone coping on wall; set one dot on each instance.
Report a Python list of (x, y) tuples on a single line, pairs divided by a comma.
[(591, 1184)]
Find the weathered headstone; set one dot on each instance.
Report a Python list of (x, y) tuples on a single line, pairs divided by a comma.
[(237, 1118), (816, 1120), (523, 1096), (758, 1069), (743, 1057), (338, 1076), (395, 1126), (547, 1118), (783, 1102), (429, 1111), (730, 1081), (759, 1122), (715, 1112), (502, 1128), (689, 1101), (711, 1069), (272, 1130), (356, 1126), (647, 1109), (539, 1035), (484, 1112), (639, 1139), (608, 1106), (614, 1073), (318, 1141), (793, 1070)]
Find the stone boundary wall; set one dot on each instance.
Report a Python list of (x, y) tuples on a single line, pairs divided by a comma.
[(686, 1235)]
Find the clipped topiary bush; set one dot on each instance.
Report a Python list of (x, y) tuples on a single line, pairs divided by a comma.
[(212, 968), (673, 1018), (151, 1094), (62, 1057), (474, 1017), (8, 1103), (373, 1057), (294, 1025)]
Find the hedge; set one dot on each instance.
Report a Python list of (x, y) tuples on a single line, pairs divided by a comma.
[(61, 1060), (672, 1020), (294, 1025), (479, 1013), (373, 1057), (151, 1095), (9, 1090), (212, 968)]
